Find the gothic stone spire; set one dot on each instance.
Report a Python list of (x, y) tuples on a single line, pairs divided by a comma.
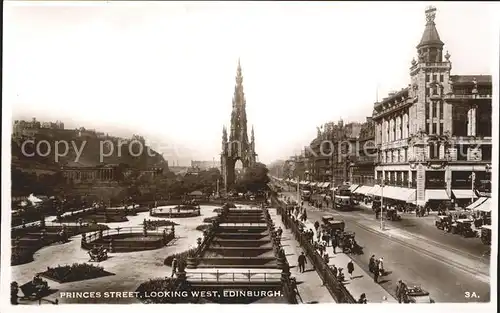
[(239, 116)]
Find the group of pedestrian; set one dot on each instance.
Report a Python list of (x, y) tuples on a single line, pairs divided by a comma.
[(376, 267)]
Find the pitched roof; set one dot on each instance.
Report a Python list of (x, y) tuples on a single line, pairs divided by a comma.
[(430, 36)]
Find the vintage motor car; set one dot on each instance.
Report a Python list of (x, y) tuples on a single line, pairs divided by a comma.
[(347, 242), (416, 294), (329, 223), (464, 228), (442, 221), (486, 234), (390, 214)]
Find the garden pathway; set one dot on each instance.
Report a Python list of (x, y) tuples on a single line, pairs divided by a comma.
[(130, 269)]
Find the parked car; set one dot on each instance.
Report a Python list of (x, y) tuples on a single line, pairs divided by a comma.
[(415, 294)]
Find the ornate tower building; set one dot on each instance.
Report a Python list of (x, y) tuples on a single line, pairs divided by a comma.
[(237, 147), (430, 147)]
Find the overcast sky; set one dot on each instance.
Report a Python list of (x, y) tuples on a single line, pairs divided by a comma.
[(167, 70)]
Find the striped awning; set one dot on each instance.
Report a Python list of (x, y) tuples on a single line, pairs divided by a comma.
[(485, 206), (436, 194), (397, 193), (374, 191), (326, 185), (464, 193), (477, 203), (312, 184), (353, 187), (363, 189)]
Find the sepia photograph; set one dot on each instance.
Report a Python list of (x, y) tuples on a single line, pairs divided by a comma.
[(236, 153)]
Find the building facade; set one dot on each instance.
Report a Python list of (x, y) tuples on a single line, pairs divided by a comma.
[(434, 136), (329, 154), (362, 164)]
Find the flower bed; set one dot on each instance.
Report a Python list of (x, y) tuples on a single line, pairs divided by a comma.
[(97, 218), (75, 272), (21, 256), (175, 214), (158, 223)]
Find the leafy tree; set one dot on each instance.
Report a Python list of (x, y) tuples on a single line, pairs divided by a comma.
[(255, 179)]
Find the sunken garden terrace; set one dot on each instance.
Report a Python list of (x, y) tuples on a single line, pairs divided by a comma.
[(152, 235), (27, 239), (98, 214), (240, 250)]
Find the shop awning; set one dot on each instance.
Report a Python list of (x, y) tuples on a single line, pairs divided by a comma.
[(464, 193), (398, 193), (353, 187), (412, 195), (436, 194), (302, 182), (477, 203), (374, 191), (326, 185), (363, 189), (484, 207)]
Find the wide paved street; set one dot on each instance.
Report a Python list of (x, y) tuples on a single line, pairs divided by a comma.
[(446, 265)]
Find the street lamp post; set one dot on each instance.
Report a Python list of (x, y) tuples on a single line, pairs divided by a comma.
[(333, 179), (298, 190), (473, 180), (382, 205)]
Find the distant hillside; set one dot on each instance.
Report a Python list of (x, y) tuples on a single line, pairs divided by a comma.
[(83, 150)]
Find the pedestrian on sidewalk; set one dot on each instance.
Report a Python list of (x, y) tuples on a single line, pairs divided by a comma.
[(350, 268), (362, 299), (371, 264), (334, 245), (327, 238), (174, 267), (381, 266), (376, 272), (334, 270), (302, 262), (326, 258)]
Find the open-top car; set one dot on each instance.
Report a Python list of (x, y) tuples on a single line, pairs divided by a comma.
[(486, 234), (327, 218), (442, 222), (415, 294), (464, 227)]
